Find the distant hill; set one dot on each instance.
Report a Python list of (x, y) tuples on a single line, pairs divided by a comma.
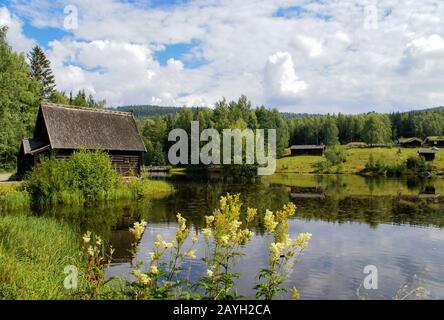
[(429, 109), (147, 111)]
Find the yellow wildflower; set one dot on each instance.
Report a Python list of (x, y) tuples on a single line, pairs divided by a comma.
[(87, 237), (151, 255), (224, 240), (142, 277), (195, 238), (90, 251), (209, 273), (181, 221), (269, 222), (251, 214), (111, 250), (295, 294), (138, 229), (191, 254), (159, 241), (154, 270), (167, 245), (207, 234), (209, 219)]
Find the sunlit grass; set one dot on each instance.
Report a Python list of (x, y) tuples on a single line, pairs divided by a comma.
[(356, 160), (12, 196)]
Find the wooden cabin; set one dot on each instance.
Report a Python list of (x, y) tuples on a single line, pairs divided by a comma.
[(307, 150), (429, 155), (410, 142), (60, 130), (434, 141)]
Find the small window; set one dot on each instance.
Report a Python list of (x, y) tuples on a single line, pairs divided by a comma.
[(126, 160)]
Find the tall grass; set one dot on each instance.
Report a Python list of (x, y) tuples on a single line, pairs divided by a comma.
[(13, 196), (33, 254)]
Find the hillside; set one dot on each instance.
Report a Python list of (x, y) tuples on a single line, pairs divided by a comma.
[(146, 111)]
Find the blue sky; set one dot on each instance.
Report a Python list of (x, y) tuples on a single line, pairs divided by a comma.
[(297, 56)]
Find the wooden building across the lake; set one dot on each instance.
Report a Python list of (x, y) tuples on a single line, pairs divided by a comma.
[(428, 155), (60, 130), (410, 142), (434, 141), (307, 150)]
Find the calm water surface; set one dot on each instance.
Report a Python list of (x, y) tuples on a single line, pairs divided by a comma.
[(395, 225)]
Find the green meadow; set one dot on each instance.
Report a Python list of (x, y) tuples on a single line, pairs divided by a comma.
[(356, 160)]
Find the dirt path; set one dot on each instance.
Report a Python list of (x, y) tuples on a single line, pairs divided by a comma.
[(5, 176)]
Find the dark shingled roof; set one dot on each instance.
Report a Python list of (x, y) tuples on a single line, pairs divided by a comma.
[(71, 127), (304, 147)]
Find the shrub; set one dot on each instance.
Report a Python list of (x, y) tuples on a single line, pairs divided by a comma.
[(416, 164), (336, 154), (93, 172), (86, 175), (375, 167), (322, 166)]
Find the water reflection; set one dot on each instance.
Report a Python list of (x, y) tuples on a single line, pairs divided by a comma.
[(355, 221)]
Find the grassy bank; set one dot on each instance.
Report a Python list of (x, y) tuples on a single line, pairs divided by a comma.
[(13, 196), (356, 160), (33, 254)]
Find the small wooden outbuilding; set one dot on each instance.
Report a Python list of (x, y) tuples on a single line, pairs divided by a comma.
[(429, 155), (60, 130), (307, 150)]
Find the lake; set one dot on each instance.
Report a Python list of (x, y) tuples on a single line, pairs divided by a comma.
[(393, 224)]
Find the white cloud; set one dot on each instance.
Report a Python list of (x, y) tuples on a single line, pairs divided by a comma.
[(423, 53), (307, 63), (15, 36), (281, 82), (310, 46)]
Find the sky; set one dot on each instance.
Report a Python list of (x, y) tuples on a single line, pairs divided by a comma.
[(298, 56)]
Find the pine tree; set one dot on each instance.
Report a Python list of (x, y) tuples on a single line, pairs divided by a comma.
[(40, 69)]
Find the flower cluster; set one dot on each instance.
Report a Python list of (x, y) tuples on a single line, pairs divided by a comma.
[(282, 252), (225, 223), (161, 276), (96, 259), (225, 235), (138, 229)]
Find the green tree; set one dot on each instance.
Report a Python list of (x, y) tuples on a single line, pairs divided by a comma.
[(19, 98), (330, 132), (158, 158), (40, 69), (80, 99), (377, 129)]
